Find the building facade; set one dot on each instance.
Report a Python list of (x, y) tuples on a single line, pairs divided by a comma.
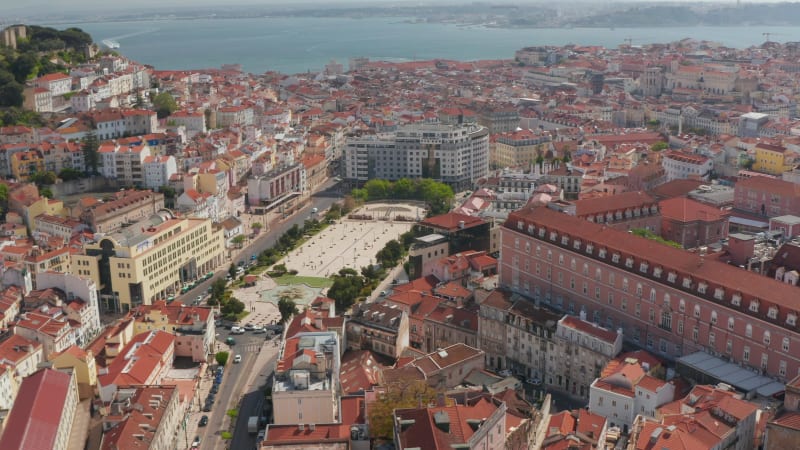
[(150, 260), (665, 300), (454, 154)]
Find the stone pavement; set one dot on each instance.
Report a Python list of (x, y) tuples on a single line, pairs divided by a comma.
[(351, 243)]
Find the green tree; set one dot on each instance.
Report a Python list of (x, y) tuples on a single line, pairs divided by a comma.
[(69, 173), (168, 191), (91, 156), (23, 67), (43, 178), (218, 289), (346, 288), (222, 358), (658, 146), (390, 254), (256, 227), (232, 271), (403, 394), (377, 189), (164, 104), (334, 212), (3, 201), (287, 308), (11, 94), (238, 240), (232, 308), (46, 192), (402, 189)]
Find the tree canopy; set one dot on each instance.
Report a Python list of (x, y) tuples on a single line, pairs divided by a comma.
[(287, 308), (164, 104), (403, 394), (34, 57), (438, 196)]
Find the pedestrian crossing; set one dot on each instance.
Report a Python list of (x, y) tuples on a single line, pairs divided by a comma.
[(248, 348)]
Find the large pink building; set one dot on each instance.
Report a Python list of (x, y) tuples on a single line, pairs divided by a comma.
[(666, 300), (767, 196)]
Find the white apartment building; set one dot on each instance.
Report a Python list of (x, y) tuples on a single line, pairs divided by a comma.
[(454, 154), (679, 165), (129, 164), (626, 390), (582, 349), (82, 305), (307, 379), (158, 170)]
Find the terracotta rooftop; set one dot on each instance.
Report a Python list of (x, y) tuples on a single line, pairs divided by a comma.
[(684, 264), (35, 417), (425, 432), (451, 222), (687, 210), (626, 200)]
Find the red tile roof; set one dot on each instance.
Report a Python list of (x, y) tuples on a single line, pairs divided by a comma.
[(291, 434), (626, 200), (34, 419), (425, 434), (452, 221), (715, 273), (687, 210), (589, 328)]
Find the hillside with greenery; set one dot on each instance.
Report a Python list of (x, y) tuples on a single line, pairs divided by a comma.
[(45, 50)]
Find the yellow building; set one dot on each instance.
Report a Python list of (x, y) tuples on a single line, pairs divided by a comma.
[(41, 206), (150, 260), (83, 365), (518, 148), (772, 159), (24, 164)]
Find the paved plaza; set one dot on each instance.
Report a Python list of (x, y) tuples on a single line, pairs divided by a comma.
[(351, 242), (348, 243)]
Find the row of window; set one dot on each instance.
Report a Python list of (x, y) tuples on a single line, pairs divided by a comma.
[(687, 282)]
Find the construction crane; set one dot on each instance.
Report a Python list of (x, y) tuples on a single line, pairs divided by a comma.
[(767, 35)]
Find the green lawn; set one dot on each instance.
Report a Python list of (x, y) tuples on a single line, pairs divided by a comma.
[(314, 282)]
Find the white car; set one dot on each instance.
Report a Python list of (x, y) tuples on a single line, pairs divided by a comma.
[(237, 359)]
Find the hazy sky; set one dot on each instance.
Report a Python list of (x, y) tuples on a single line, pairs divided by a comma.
[(10, 8)]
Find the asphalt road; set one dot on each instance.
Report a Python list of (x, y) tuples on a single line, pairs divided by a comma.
[(322, 200), (251, 405), (233, 380)]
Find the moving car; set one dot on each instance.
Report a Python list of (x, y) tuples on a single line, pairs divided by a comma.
[(237, 359), (230, 341)]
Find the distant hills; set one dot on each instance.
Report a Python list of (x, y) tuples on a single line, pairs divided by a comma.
[(776, 14)]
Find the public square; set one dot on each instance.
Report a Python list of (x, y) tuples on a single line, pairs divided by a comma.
[(352, 242)]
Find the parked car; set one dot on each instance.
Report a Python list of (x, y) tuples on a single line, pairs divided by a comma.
[(249, 327), (504, 373), (214, 388), (237, 330), (534, 381), (259, 330), (278, 328), (203, 421), (230, 341), (196, 442), (207, 407), (237, 359)]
